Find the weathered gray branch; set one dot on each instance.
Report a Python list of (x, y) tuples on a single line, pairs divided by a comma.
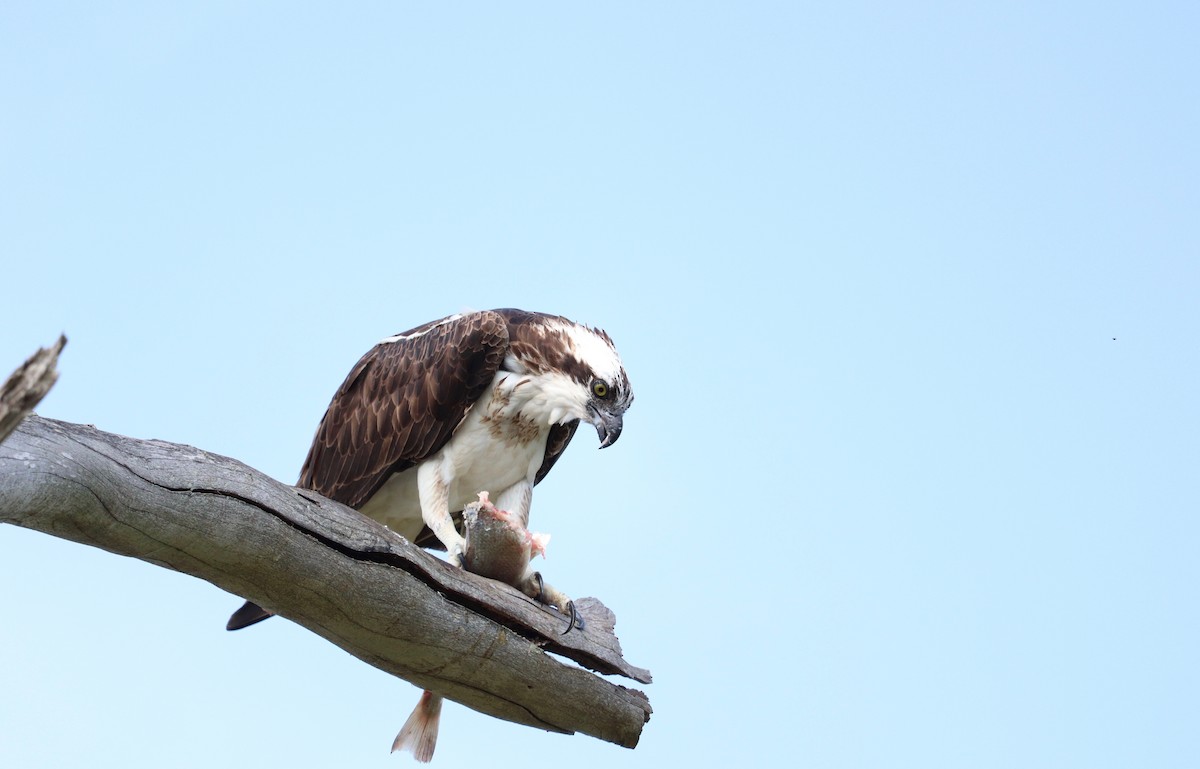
[(326, 567), (26, 387)]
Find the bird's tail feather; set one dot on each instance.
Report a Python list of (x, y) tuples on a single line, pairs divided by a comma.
[(246, 616)]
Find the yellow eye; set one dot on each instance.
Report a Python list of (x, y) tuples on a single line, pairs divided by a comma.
[(600, 388)]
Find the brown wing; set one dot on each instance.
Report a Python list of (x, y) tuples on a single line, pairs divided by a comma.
[(401, 403)]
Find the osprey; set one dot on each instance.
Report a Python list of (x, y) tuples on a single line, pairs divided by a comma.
[(481, 401)]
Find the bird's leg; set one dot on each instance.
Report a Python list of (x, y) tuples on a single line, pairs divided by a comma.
[(435, 510), (536, 588), (515, 500)]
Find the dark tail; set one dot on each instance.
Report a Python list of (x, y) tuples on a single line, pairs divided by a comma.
[(249, 614)]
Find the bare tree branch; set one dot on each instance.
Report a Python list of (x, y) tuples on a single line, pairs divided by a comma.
[(26, 387), (326, 567)]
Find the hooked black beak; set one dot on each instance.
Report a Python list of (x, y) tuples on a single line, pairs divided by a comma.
[(608, 426)]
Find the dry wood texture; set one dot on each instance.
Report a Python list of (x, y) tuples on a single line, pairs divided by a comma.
[(26, 387)]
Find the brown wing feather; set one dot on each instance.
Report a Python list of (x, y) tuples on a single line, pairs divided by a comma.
[(401, 403)]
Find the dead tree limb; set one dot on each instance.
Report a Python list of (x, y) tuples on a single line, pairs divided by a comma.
[(325, 567), (26, 387)]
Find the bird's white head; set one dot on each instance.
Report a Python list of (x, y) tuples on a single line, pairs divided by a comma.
[(579, 374)]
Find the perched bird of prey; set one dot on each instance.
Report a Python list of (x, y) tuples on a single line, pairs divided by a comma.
[(483, 400)]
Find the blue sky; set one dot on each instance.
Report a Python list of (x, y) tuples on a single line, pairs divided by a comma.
[(907, 294)]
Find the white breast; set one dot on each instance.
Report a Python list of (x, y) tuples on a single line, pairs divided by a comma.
[(494, 448)]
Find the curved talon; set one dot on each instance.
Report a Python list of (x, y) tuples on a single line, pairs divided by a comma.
[(576, 619), (554, 599)]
